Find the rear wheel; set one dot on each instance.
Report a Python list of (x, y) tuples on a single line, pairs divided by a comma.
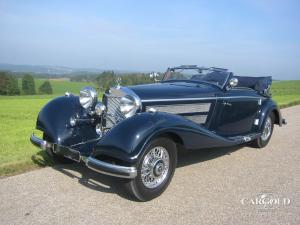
[(264, 139), (55, 157), (155, 169)]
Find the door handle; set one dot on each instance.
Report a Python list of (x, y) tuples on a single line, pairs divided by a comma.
[(226, 103)]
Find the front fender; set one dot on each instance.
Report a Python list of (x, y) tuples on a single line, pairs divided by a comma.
[(54, 121), (127, 140)]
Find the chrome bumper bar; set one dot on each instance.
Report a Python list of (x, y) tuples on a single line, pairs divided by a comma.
[(90, 162), (110, 169), (44, 145)]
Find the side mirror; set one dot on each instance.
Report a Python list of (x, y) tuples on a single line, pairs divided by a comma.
[(233, 82)]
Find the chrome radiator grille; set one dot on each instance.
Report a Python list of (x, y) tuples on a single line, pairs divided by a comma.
[(114, 114)]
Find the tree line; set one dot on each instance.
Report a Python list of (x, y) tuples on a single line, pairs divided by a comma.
[(9, 81), (109, 78), (9, 85)]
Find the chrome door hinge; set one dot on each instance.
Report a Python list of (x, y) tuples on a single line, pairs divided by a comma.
[(226, 103)]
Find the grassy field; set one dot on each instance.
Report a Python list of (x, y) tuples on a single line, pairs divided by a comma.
[(17, 121), (60, 86), (286, 93), (18, 116)]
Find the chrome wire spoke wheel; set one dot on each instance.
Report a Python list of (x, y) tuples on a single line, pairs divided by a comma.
[(267, 129), (155, 167)]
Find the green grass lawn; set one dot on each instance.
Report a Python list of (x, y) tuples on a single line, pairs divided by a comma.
[(17, 121), (286, 93), (18, 116)]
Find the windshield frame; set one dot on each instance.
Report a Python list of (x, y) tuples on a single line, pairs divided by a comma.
[(165, 78)]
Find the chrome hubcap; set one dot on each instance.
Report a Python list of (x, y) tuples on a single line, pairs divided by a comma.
[(155, 167), (267, 129)]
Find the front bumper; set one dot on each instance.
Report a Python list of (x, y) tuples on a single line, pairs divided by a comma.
[(90, 162)]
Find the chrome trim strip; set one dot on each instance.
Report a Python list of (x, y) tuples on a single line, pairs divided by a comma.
[(181, 108), (110, 169), (195, 99)]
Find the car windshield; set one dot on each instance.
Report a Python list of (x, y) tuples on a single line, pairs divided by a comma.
[(207, 75)]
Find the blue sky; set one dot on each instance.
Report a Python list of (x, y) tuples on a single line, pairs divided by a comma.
[(259, 37)]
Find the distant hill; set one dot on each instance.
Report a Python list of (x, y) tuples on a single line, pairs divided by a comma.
[(44, 69)]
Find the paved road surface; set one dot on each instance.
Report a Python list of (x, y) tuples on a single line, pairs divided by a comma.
[(217, 186)]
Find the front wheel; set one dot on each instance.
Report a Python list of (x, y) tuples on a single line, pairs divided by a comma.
[(265, 137), (155, 169)]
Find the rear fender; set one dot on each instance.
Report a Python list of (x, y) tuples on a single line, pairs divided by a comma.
[(269, 106)]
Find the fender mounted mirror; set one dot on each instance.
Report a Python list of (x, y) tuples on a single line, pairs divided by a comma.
[(233, 82)]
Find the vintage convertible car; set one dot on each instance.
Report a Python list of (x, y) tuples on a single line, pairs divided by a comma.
[(134, 133)]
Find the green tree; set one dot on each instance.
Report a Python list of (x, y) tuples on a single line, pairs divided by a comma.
[(3, 83), (13, 87), (106, 79), (8, 84), (45, 88), (28, 86)]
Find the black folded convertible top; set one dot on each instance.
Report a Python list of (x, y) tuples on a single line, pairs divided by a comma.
[(260, 84)]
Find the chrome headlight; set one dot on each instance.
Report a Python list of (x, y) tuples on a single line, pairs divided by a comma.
[(129, 105), (88, 97)]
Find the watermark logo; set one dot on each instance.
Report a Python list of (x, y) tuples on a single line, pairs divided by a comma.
[(266, 201)]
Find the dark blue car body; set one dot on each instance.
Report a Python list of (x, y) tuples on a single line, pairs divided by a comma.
[(195, 115)]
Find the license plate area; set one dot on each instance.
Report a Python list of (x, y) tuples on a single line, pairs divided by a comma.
[(67, 152)]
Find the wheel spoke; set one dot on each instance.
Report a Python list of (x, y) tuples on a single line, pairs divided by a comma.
[(155, 167), (267, 129)]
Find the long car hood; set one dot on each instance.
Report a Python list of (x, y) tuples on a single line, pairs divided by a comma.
[(173, 91)]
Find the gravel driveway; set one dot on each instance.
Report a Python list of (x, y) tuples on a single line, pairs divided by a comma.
[(219, 186)]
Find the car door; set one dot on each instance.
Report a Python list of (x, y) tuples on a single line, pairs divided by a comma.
[(236, 111)]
